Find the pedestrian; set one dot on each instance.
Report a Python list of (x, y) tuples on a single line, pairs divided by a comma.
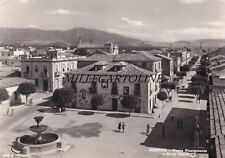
[(171, 116), (123, 126), (12, 112), (119, 126), (7, 111), (148, 129), (31, 101), (163, 131)]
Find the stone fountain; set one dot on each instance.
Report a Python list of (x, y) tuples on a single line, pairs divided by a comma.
[(41, 142)]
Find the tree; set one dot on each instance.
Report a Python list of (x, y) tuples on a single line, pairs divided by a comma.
[(185, 68), (129, 102), (169, 86), (63, 97), (3, 94), (197, 90), (181, 73), (26, 88), (199, 78), (96, 101), (162, 96)]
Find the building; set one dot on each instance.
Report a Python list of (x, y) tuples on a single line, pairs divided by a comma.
[(218, 76), (48, 71), (11, 84), (167, 65), (12, 57), (176, 63), (185, 56), (113, 80), (142, 59), (109, 47), (217, 60)]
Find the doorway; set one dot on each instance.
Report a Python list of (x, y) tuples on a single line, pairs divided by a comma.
[(114, 104)]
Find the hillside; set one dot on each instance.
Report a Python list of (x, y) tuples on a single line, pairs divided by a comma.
[(44, 37)]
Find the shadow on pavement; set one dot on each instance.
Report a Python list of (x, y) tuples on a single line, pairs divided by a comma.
[(85, 130), (48, 110), (117, 115), (179, 138), (186, 96), (185, 101), (86, 113)]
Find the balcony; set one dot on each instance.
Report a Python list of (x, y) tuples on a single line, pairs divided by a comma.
[(57, 74)]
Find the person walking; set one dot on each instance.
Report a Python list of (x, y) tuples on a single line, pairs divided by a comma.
[(7, 112), (12, 112), (123, 126), (119, 126), (31, 101), (148, 129), (171, 116)]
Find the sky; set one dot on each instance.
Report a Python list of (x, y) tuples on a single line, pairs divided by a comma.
[(157, 20)]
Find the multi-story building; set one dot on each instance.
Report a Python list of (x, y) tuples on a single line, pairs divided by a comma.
[(176, 63), (108, 47), (141, 59), (183, 55), (48, 71), (167, 65), (113, 80)]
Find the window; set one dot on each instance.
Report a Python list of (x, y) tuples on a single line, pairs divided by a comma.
[(36, 68), (27, 69), (56, 68), (114, 90), (104, 83), (36, 82), (125, 90), (45, 69), (137, 89)]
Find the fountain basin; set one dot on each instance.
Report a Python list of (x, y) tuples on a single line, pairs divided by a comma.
[(25, 144), (39, 129)]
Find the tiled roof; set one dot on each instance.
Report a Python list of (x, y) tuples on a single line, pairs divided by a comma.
[(98, 57), (128, 69), (217, 121), (137, 56), (218, 67), (12, 81), (164, 56), (149, 55), (220, 57)]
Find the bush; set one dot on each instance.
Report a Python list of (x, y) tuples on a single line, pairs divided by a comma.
[(26, 89), (63, 97), (162, 96), (129, 102), (96, 101), (169, 86), (3, 94)]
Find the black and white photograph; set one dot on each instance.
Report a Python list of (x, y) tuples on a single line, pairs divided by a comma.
[(112, 78)]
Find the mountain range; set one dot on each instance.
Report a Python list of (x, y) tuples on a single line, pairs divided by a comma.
[(32, 36)]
